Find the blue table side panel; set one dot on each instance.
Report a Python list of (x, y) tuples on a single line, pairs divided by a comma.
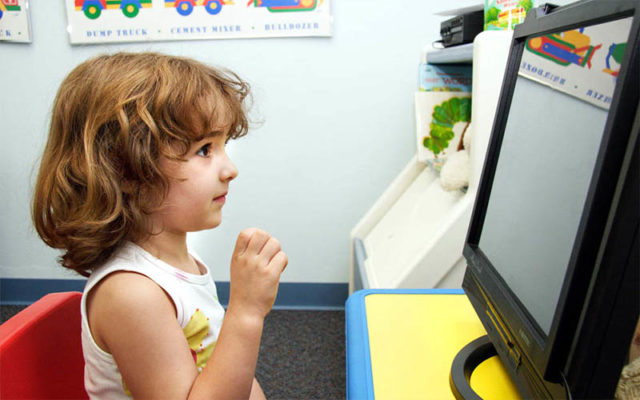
[(359, 382), (358, 357)]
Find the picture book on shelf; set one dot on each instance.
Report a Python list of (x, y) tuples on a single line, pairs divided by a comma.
[(442, 119), (444, 78)]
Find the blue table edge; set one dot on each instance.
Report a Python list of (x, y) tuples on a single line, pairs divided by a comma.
[(358, 356)]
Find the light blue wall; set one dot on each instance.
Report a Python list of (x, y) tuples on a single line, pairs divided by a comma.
[(338, 127)]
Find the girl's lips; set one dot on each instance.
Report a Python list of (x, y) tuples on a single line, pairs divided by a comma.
[(220, 199)]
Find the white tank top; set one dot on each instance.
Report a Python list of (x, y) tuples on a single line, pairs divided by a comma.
[(199, 313)]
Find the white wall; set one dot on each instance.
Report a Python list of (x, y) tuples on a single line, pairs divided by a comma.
[(338, 127)]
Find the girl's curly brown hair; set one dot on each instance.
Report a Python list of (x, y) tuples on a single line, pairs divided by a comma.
[(113, 118)]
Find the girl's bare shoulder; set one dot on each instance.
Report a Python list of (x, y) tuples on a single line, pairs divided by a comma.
[(123, 300)]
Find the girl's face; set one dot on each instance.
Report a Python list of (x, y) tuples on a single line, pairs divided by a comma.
[(197, 188)]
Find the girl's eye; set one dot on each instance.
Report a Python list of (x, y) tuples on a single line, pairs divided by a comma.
[(204, 150)]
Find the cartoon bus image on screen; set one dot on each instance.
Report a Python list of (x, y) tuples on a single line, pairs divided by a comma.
[(570, 47), (286, 5), (185, 7), (93, 8), (8, 5)]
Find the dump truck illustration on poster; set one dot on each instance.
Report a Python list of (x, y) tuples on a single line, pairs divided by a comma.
[(92, 9), (102, 21)]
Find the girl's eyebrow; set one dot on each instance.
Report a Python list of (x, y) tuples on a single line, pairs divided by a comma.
[(217, 132), (221, 131), (209, 135)]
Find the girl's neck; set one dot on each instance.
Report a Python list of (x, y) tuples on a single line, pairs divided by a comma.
[(173, 250)]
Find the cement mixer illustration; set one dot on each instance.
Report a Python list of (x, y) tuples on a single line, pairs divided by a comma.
[(185, 7)]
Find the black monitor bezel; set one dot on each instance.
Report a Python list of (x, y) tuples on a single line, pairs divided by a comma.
[(546, 354)]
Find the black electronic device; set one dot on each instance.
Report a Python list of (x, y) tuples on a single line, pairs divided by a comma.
[(552, 250), (462, 28)]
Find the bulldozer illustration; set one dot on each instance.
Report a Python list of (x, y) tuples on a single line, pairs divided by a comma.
[(286, 5), (8, 5)]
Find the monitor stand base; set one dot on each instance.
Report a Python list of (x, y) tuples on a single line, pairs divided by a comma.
[(463, 365)]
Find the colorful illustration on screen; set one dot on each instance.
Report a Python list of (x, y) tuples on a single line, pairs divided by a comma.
[(570, 47), (286, 5), (185, 7), (616, 53), (584, 62), (8, 5), (444, 117), (93, 8)]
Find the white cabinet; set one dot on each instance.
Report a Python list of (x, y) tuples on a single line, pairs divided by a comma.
[(413, 235)]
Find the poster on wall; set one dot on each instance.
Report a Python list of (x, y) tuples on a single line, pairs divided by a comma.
[(102, 21), (14, 21)]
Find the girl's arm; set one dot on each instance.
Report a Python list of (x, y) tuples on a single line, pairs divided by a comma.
[(256, 391), (133, 318)]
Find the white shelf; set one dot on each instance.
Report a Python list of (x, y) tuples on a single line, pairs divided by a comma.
[(413, 236), (408, 228), (460, 10), (461, 54)]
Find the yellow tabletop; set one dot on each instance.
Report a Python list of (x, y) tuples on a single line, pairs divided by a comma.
[(413, 339)]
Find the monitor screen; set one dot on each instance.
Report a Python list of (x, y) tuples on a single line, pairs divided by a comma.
[(539, 200), (551, 142), (555, 220)]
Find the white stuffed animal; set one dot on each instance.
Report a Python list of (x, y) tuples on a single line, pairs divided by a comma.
[(455, 172)]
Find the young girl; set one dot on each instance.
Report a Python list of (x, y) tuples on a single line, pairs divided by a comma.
[(136, 159)]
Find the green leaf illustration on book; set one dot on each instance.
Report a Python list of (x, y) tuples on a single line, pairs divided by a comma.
[(444, 116)]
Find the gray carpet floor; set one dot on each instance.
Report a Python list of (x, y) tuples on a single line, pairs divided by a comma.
[(302, 354)]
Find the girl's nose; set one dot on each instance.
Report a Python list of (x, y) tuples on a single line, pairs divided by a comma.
[(229, 170)]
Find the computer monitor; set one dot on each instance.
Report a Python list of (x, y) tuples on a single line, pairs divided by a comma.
[(552, 247)]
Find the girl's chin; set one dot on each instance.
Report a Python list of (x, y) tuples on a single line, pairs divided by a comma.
[(213, 223)]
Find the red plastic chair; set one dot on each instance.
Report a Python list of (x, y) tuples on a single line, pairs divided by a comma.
[(41, 351)]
